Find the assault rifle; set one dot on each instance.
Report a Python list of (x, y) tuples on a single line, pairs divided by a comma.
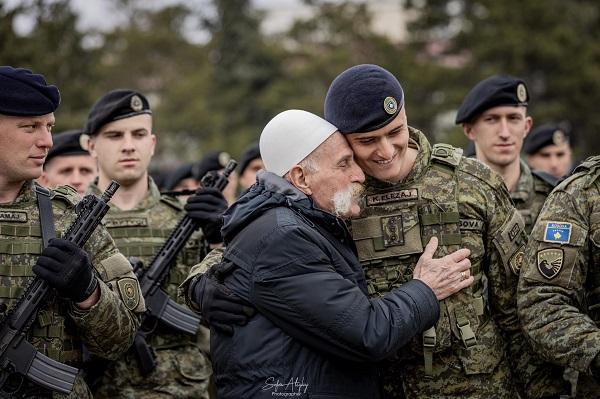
[(159, 307), (18, 357)]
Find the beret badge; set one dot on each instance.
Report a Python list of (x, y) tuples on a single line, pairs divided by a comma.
[(390, 105), (136, 103), (558, 137), (521, 92)]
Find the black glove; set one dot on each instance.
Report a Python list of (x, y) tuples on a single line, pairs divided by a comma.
[(219, 307), (67, 268), (206, 207)]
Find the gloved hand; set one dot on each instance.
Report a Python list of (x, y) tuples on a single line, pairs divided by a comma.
[(67, 268), (219, 307), (206, 207)]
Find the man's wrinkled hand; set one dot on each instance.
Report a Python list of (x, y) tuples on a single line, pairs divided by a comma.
[(445, 275)]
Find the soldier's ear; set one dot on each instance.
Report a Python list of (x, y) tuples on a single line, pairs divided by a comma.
[(298, 177), (468, 130)]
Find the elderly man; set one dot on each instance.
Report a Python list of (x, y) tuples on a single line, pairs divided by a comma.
[(290, 256), (67, 163), (95, 298)]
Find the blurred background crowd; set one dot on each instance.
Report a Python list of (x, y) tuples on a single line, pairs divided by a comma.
[(215, 71)]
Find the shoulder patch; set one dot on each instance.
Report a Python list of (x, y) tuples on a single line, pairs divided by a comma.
[(558, 232), (172, 201), (129, 291), (550, 261)]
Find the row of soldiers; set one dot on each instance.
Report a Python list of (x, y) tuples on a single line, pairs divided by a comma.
[(93, 304)]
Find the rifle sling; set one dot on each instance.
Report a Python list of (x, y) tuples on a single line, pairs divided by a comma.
[(46, 215)]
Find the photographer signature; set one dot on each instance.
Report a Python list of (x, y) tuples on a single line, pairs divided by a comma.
[(293, 387)]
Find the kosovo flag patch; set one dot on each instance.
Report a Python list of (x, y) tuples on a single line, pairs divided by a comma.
[(558, 232)]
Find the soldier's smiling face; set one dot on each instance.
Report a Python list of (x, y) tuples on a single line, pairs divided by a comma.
[(498, 134), (382, 153), (124, 148), (24, 144)]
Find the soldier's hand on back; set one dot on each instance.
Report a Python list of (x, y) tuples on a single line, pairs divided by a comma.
[(67, 268), (206, 207), (219, 307), (445, 275)]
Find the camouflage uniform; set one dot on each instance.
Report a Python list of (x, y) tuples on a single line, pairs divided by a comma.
[(107, 329), (559, 284), (529, 195), (183, 369), (464, 204)]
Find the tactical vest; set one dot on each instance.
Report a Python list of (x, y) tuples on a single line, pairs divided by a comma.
[(141, 233), (20, 245), (396, 224)]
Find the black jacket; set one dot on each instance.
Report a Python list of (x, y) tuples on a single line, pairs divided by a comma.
[(317, 334)]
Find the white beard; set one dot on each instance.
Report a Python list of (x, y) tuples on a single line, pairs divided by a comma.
[(343, 200)]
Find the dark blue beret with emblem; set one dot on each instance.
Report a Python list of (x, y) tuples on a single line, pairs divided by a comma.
[(66, 143), (23, 93), (545, 135), (115, 105), (213, 161), (363, 98), (492, 92)]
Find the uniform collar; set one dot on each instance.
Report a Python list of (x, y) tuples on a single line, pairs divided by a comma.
[(152, 196), (525, 186)]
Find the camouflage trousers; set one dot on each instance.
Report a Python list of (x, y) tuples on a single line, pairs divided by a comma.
[(402, 379), (181, 373)]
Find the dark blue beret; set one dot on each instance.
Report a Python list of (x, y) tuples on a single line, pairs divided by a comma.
[(363, 98), (23, 93), (182, 172), (115, 105), (66, 143), (492, 92), (251, 153), (543, 136), (214, 160)]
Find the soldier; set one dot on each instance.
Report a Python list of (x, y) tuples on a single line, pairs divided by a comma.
[(548, 149), (68, 164), (119, 126), (413, 192), (96, 300), (494, 117), (250, 163), (558, 286)]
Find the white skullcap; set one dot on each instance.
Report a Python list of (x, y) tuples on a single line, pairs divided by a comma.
[(290, 137)]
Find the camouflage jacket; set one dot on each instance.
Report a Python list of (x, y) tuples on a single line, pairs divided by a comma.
[(107, 329), (559, 286), (464, 204), (182, 369), (529, 195)]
